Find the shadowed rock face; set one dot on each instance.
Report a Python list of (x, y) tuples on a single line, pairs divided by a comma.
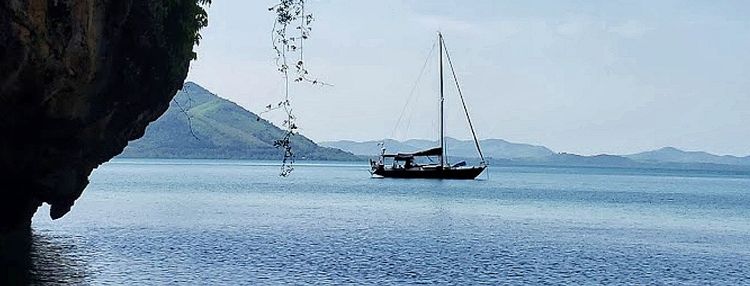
[(78, 80)]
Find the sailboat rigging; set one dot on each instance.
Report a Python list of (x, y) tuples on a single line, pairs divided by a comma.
[(404, 164)]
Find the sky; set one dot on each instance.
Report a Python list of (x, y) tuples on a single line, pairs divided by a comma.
[(585, 77)]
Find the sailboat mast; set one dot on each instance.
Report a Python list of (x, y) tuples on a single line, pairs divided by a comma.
[(442, 99)]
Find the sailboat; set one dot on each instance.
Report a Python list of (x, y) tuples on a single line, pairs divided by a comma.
[(404, 165)]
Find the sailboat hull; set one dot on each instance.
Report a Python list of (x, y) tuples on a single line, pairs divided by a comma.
[(457, 173)]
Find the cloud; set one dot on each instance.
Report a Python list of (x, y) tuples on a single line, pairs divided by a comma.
[(448, 25), (573, 28), (630, 29), (580, 26)]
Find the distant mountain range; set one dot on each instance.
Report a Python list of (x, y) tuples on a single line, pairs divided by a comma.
[(214, 128), (496, 148), (674, 155), (220, 129), (502, 152)]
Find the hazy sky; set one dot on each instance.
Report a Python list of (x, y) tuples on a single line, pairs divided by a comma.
[(586, 77)]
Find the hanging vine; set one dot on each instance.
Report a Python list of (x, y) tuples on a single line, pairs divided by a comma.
[(198, 18), (290, 30)]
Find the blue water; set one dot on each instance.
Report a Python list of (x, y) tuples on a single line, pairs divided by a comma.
[(238, 222)]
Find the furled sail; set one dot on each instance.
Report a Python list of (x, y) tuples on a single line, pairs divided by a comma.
[(436, 151)]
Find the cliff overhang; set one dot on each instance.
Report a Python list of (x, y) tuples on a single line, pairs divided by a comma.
[(78, 80)]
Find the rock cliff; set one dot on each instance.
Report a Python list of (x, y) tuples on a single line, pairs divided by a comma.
[(78, 80)]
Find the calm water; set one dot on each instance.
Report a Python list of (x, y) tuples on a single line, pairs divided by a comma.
[(233, 222)]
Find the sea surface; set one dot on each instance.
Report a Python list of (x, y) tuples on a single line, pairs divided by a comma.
[(198, 222)]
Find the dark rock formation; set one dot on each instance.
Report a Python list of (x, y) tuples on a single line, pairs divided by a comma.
[(78, 80)]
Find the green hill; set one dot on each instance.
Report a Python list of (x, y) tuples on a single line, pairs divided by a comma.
[(221, 129)]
